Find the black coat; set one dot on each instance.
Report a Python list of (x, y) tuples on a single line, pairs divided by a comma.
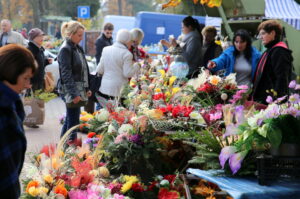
[(70, 66), (275, 75), (37, 80), (12, 142), (102, 42)]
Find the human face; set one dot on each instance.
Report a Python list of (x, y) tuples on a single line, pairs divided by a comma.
[(266, 37), (128, 44), (5, 26), (78, 36), (208, 37), (185, 29), (39, 40), (23, 82), (239, 44), (108, 33)]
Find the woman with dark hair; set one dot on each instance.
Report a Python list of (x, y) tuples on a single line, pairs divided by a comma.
[(275, 66), (241, 58), (17, 66), (191, 44)]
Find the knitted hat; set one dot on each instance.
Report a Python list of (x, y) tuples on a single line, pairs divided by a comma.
[(33, 33)]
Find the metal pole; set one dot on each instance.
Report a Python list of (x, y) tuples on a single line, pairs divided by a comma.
[(225, 22)]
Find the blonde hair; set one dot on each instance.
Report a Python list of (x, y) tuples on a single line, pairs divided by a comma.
[(70, 28), (210, 29), (137, 35)]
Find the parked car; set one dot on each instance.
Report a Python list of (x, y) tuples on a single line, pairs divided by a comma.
[(53, 68)]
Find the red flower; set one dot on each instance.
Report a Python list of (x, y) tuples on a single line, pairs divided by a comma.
[(152, 186), (91, 134), (208, 88), (159, 96), (166, 194), (48, 149), (137, 187), (169, 107), (163, 109), (170, 178)]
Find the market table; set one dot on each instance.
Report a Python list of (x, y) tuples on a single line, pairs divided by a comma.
[(248, 188)]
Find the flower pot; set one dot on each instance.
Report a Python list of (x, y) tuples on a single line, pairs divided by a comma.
[(287, 150)]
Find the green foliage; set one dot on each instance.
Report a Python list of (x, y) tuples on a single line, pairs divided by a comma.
[(139, 5), (45, 96), (207, 147)]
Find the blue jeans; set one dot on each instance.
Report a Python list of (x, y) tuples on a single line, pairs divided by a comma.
[(72, 119)]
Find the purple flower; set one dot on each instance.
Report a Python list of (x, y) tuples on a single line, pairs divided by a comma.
[(295, 99), (231, 129), (136, 138), (235, 161), (274, 112), (297, 87), (293, 84), (239, 114), (269, 99), (225, 154), (278, 100)]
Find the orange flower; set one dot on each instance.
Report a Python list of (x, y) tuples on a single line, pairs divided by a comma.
[(59, 189), (32, 183)]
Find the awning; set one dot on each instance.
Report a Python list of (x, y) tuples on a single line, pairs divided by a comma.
[(286, 10)]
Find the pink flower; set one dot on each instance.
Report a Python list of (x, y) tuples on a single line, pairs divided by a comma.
[(293, 84), (225, 154), (215, 116), (117, 196), (235, 161), (121, 137), (244, 87), (269, 99)]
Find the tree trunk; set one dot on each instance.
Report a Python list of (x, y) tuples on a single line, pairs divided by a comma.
[(120, 7)]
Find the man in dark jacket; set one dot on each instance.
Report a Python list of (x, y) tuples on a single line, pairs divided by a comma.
[(274, 69), (105, 39)]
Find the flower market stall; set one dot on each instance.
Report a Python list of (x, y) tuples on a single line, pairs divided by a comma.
[(167, 124)]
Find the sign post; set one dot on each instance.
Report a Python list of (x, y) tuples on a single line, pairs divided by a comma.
[(83, 12)]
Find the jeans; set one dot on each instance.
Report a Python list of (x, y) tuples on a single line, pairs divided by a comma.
[(72, 119)]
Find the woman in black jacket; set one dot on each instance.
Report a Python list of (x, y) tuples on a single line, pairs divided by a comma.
[(74, 74), (17, 66), (274, 69), (35, 36)]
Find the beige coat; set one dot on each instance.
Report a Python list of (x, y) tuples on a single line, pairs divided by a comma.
[(16, 38), (116, 65)]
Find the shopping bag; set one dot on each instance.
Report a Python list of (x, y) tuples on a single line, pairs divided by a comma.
[(34, 111), (49, 82)]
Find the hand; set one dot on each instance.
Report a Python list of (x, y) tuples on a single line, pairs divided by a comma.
[(89, 93), (173, 42), (77, 99), (50, 60), (165, 43), (211, 65)]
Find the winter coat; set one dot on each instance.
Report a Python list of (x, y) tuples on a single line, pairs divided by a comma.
[(102, 42), (14, 38), (12, 142)]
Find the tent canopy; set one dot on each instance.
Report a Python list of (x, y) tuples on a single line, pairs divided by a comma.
[(286, 10)]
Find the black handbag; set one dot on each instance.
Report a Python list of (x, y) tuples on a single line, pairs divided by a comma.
[(95, 83)]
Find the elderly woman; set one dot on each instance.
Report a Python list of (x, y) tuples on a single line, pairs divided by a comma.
[(116, 65), (17, 66), (74, 74), (137, 38), (274, 68)]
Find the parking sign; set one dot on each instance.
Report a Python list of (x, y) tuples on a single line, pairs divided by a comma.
[(83, 12)]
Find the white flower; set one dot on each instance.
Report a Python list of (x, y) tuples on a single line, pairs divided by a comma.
[(214, 80), (102, 115), (125, 128), (197, 116), (164, 182), (253, 121), (224, 96), (111, 129), (231, 78)]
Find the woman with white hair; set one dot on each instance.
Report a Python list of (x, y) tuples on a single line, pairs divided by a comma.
[(137, 38), (116, 66)]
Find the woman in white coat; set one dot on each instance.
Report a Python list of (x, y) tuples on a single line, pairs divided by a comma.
[(116, 66)]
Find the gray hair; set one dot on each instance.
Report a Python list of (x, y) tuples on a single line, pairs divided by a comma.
[(123, 36), (137, 35), (70, 28)]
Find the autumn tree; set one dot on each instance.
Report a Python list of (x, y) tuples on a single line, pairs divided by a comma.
[(118, 7)]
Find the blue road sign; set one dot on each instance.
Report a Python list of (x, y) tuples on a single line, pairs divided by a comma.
[(83, 12)]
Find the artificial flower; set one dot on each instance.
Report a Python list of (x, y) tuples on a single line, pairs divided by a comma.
[(127, 186), (33, 191), (172, 80), (235, 161), (91, 134), (60, 189), (111, 129), (48, 178), (102, 115), (214, 80), (166, 194), (32, 183), (225, 154), (125, 128)]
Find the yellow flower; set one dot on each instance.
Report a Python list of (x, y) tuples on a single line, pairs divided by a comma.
[(43, 190), (155, 114), (143, 78), (133, 179), (126, 187), (33, 191), (172, 80), (104, 172), (218, 42), (163, 73), (157, 90), (48, 178), (175, 90), (167, 94), (83, 113)]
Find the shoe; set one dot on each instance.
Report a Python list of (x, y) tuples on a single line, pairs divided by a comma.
[(34, 126)]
